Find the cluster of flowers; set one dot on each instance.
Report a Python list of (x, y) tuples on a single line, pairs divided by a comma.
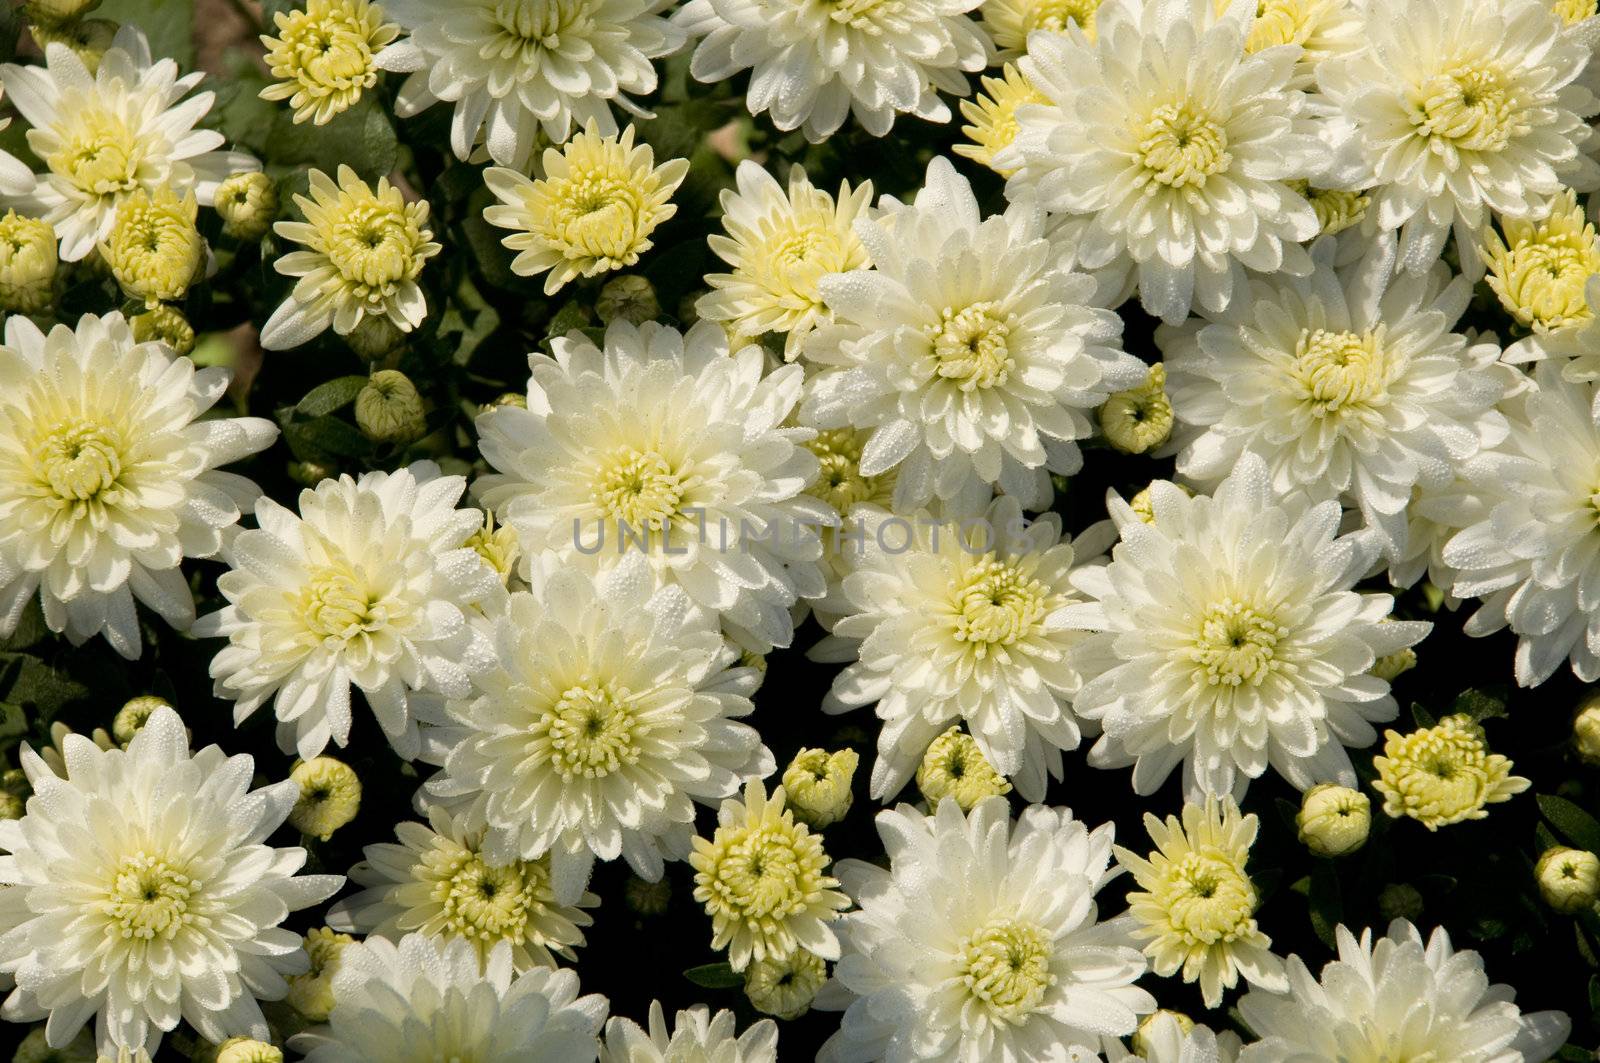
[(1304, 193)]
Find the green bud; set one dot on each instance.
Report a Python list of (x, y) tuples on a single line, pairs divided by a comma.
[(389, 410)]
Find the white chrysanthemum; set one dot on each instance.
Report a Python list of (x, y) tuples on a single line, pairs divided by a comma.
[(697, 1037), (1348, 383), (1463, 107), (516, 68), (101, 136), (366, 586), (1164, 1038), (1228, 637), (945, 623), (109, 478), (1171, 150), (781, 244), (665, 445), (438, 882), (610, 709), (981, 943), (972, 358), (15, 177), (1530, 544), (429, 1000), (814, 62), (138, 891), (1401, 998)]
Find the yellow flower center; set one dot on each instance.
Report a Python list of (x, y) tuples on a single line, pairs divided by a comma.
[(373, 243), (1235, 644), (485, 904), (764, 874), (1055, 16), (1006, 964), (79, 460), (1337, 371), (841, 484), (150, 899), (1180, 146), (638, 489), (590, 732), (1543, 283), (970, 345), (528, 27), (596, 214), (1575, 11), (337, 604), (97, 152), (997, 605), (862, 15), (1208, 897), (1470, 106), (1279, 22)]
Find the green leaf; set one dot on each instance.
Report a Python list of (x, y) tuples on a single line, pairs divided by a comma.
[(333, 395), (28, 682), (1571, 822), (362, 138), (13, 722), (1327, 907), (1422, 716), (325, 440), (1480, 705), (30, 628), (714, 976), (169, 24)]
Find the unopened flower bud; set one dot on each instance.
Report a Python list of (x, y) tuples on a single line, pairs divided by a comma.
[(311, 993), (55, 12), (1142, 1040), (89, 38), (1586, 731), (133, 715), (374, 338), (27, 263), (1392, 666), (497, 546), (1140, 418), (818, 785), (955, 767), (628, 298), (389, 410), (165, 324), (247, 202), (510, 398), (1400, 900), (309, 473), (1569, 879), (245, 1050), (12, 806), (330, 796), (785, 988), (1334, 820)]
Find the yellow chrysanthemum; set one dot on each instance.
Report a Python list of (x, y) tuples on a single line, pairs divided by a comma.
[(1140, 418), (1569, 879), (166, 324), (1333, 820), (1008, 22), (954, 766), (1144, 508), (154, 249), (1196, 904), (785, 988), (330, 796), (247, 203), (1391, 666), (497, 545), (322, 56), (28, 263), (993, 114), (818, 785), (365, 249), (762, 880), (133, 715), (311, 993), (1539, 269), (1444, 774), (1336, 211), (248, 1050), (1573, 12), (593, 210)]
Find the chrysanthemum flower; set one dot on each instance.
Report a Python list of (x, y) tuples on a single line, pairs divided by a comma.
[(15, 177), (247, 202), (1228, 638), (364, 252), (696, 1035), (323, 56), (812, 63), (1140, 418), (1463, 107), (982, 941), (1399, 999), (762, 879), (105, 135), (154, 250), (593, 210), (1573, 12), (1529, 543), (516, 68), (954, 766), (611, 709), (947, 622), (108, 478), (311, 993), (330, 796), (1444, 774), (431, 999), (366, 586), (138, 892), (1196, 904), (780, 245), (1172, 1037), (438, 882), (664, 445), (498, 546), (818, 785), (1541, 270), (1337, 209), (993, 114), (971, 357), (854, 498), (785, 987), (1009, 23), (28, 264), (1171, 149), (1348, 383), (1319, 28)]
